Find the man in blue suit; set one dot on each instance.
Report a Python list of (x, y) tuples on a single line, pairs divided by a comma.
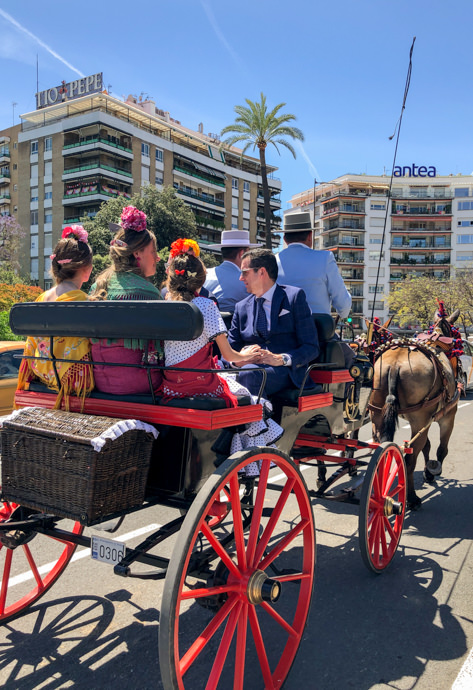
[(278, 319)]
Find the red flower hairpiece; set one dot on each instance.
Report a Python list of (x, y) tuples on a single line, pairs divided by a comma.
[(182, 246), (75, 231)]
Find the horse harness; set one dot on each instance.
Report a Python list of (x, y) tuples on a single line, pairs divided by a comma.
[(421, 344)]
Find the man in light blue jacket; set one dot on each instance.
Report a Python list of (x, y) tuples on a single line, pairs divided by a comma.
[(313, 270), (224, 280)]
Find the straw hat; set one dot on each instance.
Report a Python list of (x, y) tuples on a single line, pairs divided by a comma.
[(298, 222), (234, 238)]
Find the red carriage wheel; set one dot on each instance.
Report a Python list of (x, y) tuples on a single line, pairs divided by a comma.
[(382, 507), (238, 590), (30, 563)]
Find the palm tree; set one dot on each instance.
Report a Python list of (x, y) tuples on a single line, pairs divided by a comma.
[(258, 127)]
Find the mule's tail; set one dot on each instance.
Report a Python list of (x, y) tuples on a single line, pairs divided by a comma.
[(391, 407)]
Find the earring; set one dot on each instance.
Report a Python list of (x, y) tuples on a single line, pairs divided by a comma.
[(138, 261)]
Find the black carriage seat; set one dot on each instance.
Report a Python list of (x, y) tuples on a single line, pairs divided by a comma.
[(331, 351), (150, 320)]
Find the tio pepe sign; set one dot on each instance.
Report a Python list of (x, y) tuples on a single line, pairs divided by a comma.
[(415, 171), (70, 90)]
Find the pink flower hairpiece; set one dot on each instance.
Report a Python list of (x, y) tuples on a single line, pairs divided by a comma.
[(133, 219), (64, 261), (76, 231), (52, 256), (119, 243)]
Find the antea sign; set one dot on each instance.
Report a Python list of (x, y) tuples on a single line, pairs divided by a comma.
[(70, 90), (415, 171)]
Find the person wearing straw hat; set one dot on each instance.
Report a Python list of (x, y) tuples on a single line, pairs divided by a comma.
[(313, 270), (224, 280)]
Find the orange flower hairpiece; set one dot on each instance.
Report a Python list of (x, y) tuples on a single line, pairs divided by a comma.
[(182, 246)]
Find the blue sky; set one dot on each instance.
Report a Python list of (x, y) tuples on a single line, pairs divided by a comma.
[(340, 68)]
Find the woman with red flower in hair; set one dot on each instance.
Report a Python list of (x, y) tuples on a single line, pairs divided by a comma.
[(71, 266), (134, 257)]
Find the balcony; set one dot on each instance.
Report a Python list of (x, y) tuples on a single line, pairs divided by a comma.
[(4, 155), (91, 141), (427, 228), (430, 259), (345, 225), (215, 223), (206, 198), (344, 208), (351, 273), (5, 176), (200, 176), (348, 258), (357, 306), (423, 194), (97, 167), (92, 191), (438, 275), (343, 241), (4, 199), (422, 210), (275, 201), (422, 244)]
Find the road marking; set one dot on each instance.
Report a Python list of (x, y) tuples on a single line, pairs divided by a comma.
[(18, 579), (464, 405), (464, 680), (277, 477)]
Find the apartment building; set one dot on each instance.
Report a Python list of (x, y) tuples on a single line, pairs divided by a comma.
[(82, 146), (429, 229)]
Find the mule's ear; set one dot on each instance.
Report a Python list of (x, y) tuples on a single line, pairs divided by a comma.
[(388, 322), (453, 317)]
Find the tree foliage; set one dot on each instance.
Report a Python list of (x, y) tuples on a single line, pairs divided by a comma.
[(259, 127), (11, 235), (167, 216), (11, 294)]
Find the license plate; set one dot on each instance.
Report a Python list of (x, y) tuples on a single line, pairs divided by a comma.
[(107, 550)]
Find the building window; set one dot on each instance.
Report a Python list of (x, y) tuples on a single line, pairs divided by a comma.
[(34, 268), (376, 222), (144, 174), (34, 147), (15, 187), (372, 272), (246, 187), (48, 192), (376, 239), (48, 144), (15, 166), (159, 155), (462, 256), (465, 223), (158, 179), (48, 217), (246, 205), (246, 225), (378, 290), (34, 171), (48, 284), (465, 239), (34, 245), (378, 206), (235, 202), (34, 194), (48, 247), (234, 182), (33, 217), (144, 149), (48, 168), (15, 144), (375, 305), (465, 205), (234, 222), (461, 191), (374, 256)]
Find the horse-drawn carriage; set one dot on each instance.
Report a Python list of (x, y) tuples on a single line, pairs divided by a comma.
[(238, 558)]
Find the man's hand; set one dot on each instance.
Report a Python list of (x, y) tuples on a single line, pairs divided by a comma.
[(267, 357)]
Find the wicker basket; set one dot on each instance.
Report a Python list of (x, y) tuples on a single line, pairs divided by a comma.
[(49, 464)]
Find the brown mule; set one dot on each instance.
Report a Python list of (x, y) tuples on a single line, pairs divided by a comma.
[(414, 380)]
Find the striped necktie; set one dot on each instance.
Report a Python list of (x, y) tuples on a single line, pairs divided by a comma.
[(261, 321)]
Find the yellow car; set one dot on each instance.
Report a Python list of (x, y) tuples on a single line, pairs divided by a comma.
[(9, 366)]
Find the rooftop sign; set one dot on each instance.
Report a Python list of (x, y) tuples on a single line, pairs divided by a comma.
[(73, 89), (415, 171)]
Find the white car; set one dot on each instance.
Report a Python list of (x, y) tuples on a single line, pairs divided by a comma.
[(467, 364)]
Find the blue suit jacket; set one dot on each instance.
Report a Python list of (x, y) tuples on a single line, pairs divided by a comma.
[(292, 329)]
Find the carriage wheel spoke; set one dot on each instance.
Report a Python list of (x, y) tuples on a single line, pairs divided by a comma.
[(209, 591), (390, 480), (219, 550), (198, 645), (257, 511), (387, 524), (285, 541), (275, 515), (382, 539), (240, 652), (223, 648), (284, 624), (260, 648), (293, 577), (5, 580), (33, 567), (237, 521)]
